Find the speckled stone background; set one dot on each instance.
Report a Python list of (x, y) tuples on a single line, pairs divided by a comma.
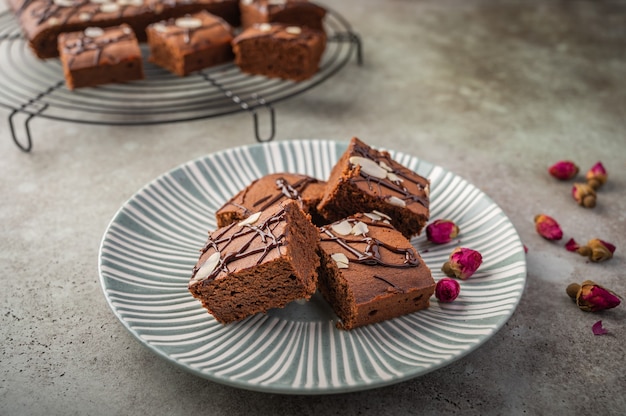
[(495, 91)]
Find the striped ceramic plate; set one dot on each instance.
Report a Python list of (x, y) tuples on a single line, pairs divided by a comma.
[(152, 243)]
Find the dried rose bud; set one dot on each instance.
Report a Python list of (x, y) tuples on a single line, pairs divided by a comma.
[(571, 245), (447, 289), (548, 228), (463, 262), (441, 231), (597, 250), (591, 297), (584, 194), (598, 329), (596, 176), (563, 170)]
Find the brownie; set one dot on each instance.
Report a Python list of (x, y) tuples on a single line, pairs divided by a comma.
[(98, 56), (365, 179), (186, 44), (279, 51), (369, 272), (289, 12), (269, 190), (43, 20), (263, 262)]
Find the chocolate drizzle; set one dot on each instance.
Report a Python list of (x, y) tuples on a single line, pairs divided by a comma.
[(386, 183), (286, 190), (265, 230), (371, 255)]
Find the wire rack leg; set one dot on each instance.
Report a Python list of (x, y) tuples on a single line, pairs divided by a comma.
[(257, 132), (27, 144), (356, 39)]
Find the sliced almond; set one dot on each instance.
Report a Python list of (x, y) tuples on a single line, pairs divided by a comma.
[(293, 30), (394, 178), (394, 200), (207, 267), (385, 166), (109, 7), (342, 228), (251, 219), (159, 27), (373, 216), (369, 167), (64, 3), (341, 260), (94, 32), (188, 22), (360, 228), (382, 214)]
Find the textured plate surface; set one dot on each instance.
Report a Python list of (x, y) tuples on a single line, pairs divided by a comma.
[(153, 242)]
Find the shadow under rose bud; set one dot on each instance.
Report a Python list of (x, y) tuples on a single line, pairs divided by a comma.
[(563, 170), (462, 263), (441, 231), (547, 227), (591, 297)]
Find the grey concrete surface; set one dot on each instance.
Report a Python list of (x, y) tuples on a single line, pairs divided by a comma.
[(494, 91)]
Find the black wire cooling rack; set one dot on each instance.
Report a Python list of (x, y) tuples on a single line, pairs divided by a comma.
[(32, 88)]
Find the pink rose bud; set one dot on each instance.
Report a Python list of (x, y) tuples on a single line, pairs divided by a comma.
[(597, 250), (463, 262), (596, 176), (447, 289), (584, 194), (548, 228), (591, 297), (571, 245), (563, 170), (441, 231)]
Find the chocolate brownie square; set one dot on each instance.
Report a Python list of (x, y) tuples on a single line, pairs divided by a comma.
[(289, 12), (98, 56), (370, 272), (365, 179), (263, 262), (190, 43), (269, 190), (280, 51)]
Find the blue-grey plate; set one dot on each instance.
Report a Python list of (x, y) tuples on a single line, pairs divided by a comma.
[(153, 241)]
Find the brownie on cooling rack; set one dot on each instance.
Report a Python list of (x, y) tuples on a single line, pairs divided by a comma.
[(365, 179), (370, 272), (186, 44), (43, 20), (289, 12), (279, 51), (263, 262), (96, 56)]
